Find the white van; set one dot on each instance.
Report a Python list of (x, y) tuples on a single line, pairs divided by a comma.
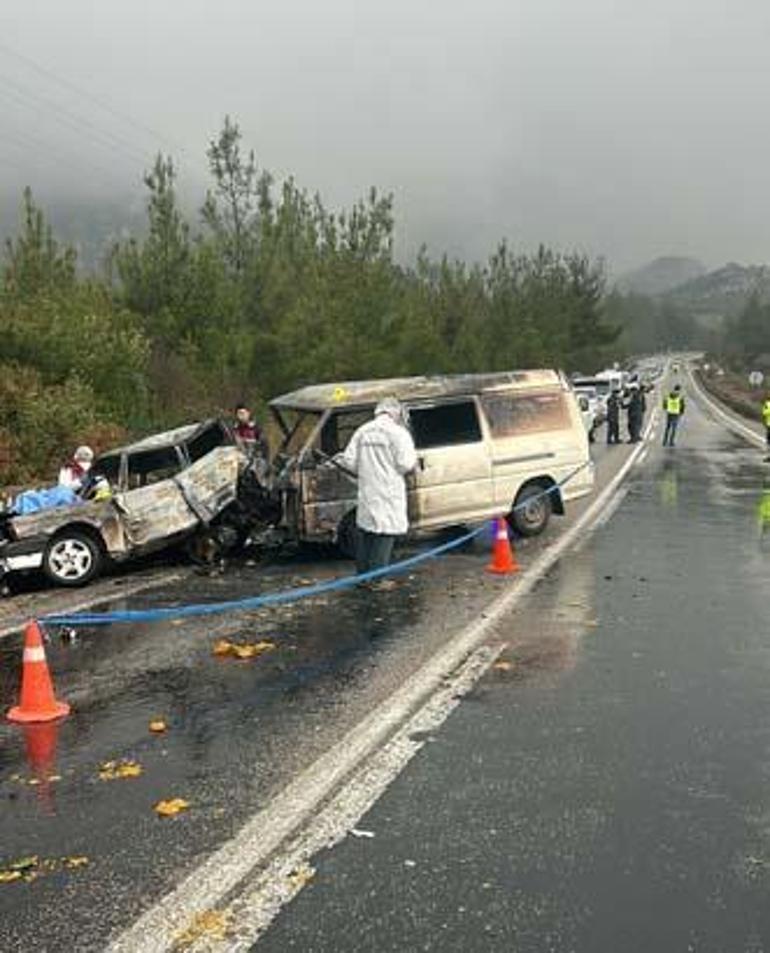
[(485, 443)]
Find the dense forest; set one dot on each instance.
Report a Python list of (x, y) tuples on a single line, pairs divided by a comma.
[(265, 290)]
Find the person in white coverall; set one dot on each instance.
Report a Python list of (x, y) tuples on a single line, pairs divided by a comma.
[(380, 453)]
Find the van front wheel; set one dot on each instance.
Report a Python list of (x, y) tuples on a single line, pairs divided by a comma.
[(532, 510)]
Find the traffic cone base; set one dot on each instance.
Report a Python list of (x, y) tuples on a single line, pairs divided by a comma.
[(20, 715), (37, 702), (503, 557)]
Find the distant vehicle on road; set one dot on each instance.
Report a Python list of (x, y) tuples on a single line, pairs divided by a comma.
[(485, 442), (595, 388), (165, 489)]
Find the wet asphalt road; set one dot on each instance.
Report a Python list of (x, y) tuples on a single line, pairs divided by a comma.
[(238, 731), (611, 791)]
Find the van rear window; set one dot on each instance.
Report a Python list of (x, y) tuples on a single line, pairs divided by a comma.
[(511, 415), (445, 425)]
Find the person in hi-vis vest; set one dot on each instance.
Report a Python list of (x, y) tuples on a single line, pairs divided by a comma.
[(766, 421), (674, 407)]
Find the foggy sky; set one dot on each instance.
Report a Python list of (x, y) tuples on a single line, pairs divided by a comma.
[(626, 129)]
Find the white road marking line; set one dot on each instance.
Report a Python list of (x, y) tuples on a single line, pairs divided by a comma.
[(290, 811), (733, 424)]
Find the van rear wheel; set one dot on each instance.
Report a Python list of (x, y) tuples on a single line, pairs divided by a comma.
[(532, 510)]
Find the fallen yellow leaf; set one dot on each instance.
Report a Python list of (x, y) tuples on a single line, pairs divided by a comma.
[(171, 807), (301, 876), (503, 666), (8, 876), (114, 770), (158, 725), (210, 923), (74, 862), (242, 650), (24, 863)]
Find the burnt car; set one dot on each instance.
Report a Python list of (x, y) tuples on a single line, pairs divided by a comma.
[(194, 481)]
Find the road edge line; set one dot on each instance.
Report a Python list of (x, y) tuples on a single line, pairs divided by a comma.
[(260, 838), (737, 426)]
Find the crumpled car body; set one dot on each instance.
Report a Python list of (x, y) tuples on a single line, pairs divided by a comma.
[(164, 489)]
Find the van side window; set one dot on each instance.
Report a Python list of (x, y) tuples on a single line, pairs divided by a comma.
[(511, 415), (445, 425)]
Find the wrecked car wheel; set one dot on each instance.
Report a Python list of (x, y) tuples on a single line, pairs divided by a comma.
[(347, 535), (72, 559), (532, 510)]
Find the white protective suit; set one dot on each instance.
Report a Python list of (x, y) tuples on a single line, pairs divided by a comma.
[(381, 453)]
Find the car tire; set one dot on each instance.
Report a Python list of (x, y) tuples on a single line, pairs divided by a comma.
[(532, 510), (347, 535), (72, 558)]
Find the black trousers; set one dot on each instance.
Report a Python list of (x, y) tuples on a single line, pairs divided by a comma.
[(373, 550), (613, 430)]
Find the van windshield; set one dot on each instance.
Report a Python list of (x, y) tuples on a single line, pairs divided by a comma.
[(296, 427)]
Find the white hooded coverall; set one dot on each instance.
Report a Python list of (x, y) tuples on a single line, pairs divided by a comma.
[(381, 453)]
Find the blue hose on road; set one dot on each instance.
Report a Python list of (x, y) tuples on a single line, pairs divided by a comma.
[(284, 595)]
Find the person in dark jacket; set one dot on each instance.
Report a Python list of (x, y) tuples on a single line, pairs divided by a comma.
[(613, 419), (636, 408)]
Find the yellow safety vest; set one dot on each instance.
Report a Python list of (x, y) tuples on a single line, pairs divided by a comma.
[(766, 413), (674, 405)]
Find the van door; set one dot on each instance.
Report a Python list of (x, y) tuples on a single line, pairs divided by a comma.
[(453, 481), (533, 436)]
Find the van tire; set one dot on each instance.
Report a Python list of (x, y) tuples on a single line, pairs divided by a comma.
[(347, 535), (531, 519), (73, 558)]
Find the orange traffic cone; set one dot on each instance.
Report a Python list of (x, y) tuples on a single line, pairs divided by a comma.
[(503, 556), (37, 702)]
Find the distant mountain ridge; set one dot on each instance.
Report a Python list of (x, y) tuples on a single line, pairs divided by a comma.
[(723, 291), (708, 295), (661, 275)]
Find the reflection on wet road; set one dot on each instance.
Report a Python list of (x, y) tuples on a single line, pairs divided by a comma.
[(608, 790)]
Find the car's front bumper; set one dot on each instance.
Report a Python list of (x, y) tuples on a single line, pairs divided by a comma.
[(20, 556)]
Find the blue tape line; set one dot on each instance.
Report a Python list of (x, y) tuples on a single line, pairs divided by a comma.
[(284, 595)]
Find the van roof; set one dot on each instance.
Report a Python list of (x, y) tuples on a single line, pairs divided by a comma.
[(365, 393)]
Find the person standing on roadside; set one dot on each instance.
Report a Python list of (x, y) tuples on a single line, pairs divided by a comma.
[(636, 408), (674, 407), (613, 419), (766, 421), (380, 453), (246, 429)]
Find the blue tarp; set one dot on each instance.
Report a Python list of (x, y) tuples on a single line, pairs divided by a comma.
[(31, 501)]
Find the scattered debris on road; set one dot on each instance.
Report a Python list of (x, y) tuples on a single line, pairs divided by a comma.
[(211, 924), (171, 807), (158, 726), (240, 650), (30, 868), (115, 770), (301, 876)]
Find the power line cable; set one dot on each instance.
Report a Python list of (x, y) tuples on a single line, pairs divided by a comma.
[(100, 103), (78, 123)]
